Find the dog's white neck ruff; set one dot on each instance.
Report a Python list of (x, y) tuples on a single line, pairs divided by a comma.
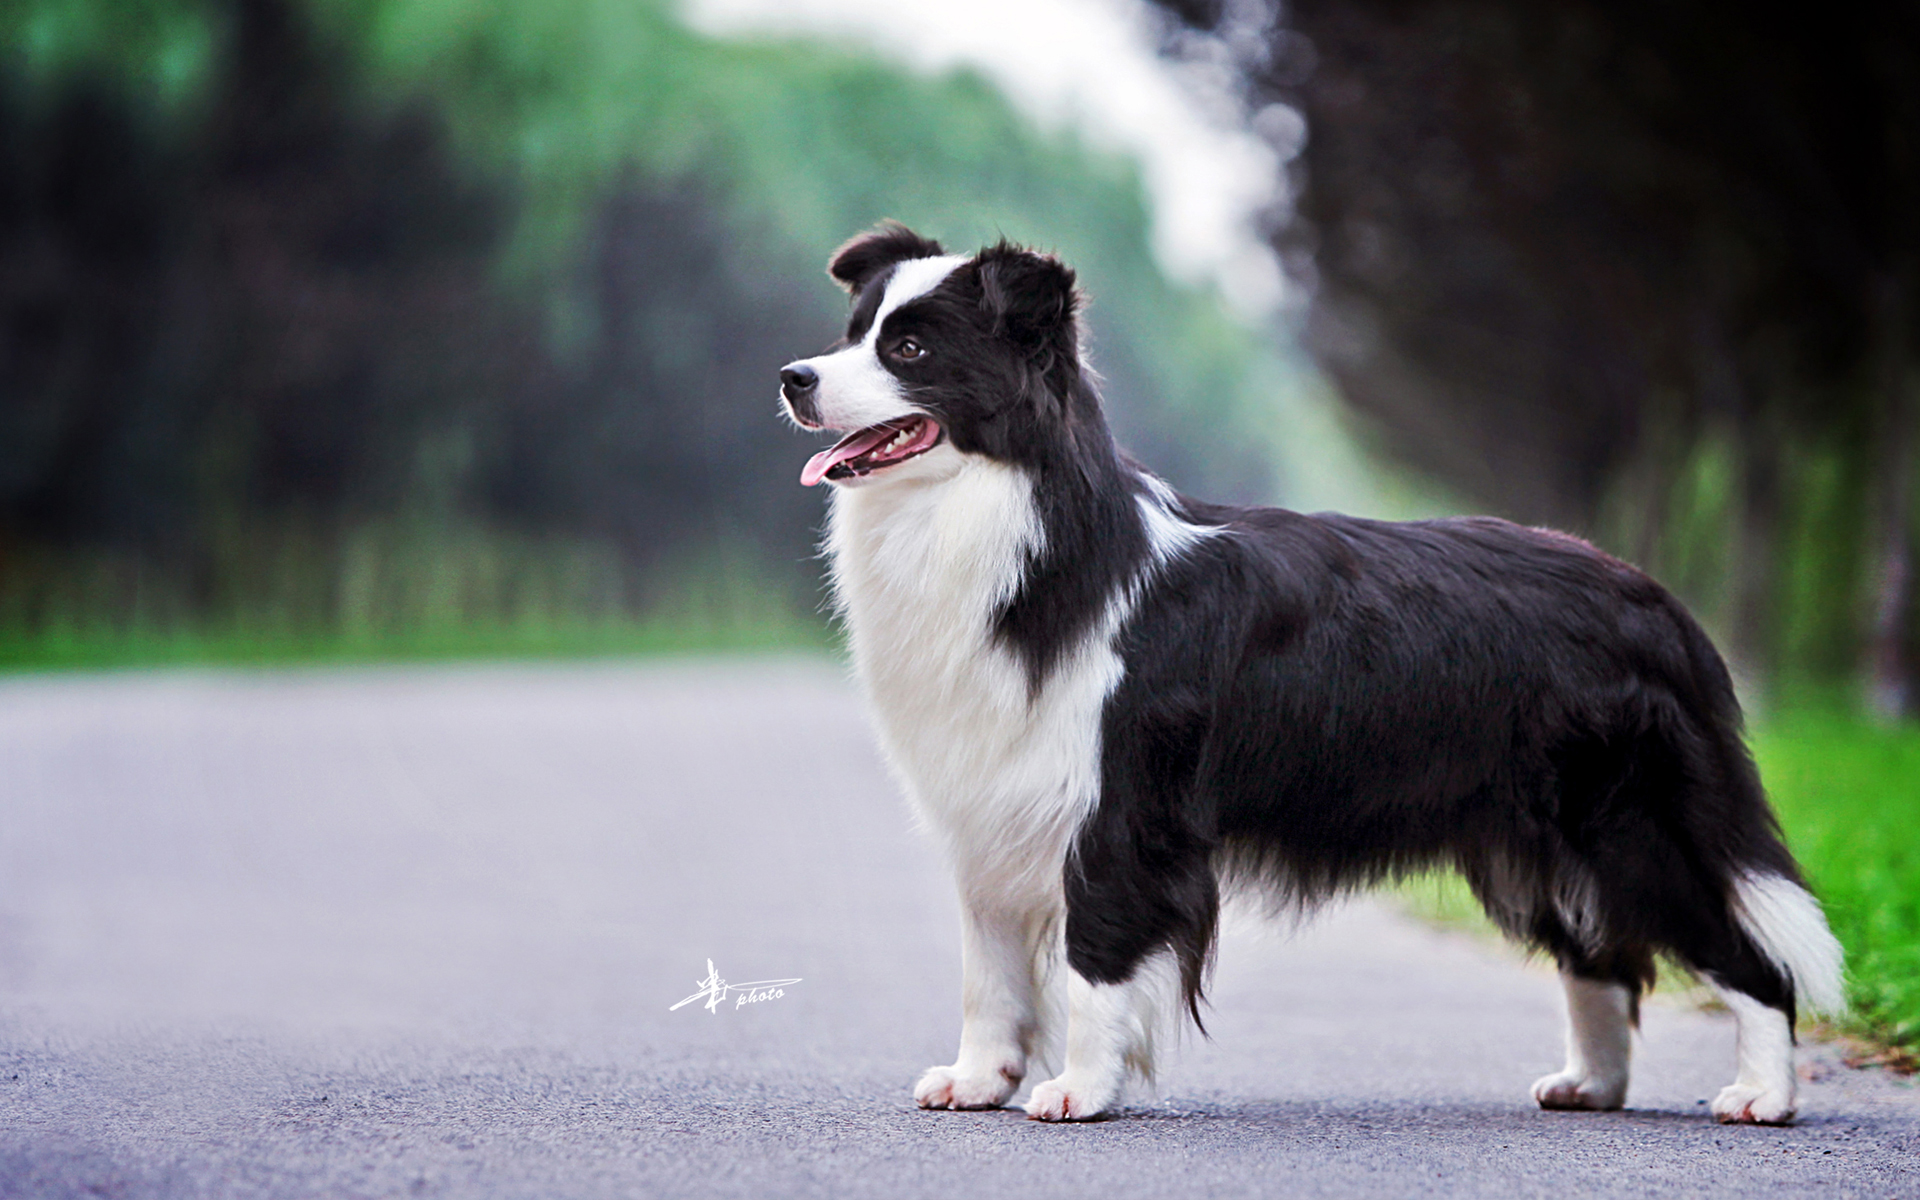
[(920, 569), (921, 566)]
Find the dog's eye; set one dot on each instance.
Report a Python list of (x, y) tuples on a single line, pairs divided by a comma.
[(908, 350)]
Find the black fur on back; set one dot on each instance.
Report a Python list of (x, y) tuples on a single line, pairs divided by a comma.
[(1315, 703)]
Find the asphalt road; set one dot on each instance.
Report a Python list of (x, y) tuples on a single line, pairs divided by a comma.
[(417, 933)]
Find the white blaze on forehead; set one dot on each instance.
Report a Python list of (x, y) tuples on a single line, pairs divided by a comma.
[(911, 280)]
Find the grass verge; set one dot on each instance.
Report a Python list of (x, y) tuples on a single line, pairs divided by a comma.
[(113, 649), (393, 591), (1848, 795)]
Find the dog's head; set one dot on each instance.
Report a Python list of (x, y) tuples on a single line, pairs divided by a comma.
[(944, 356)]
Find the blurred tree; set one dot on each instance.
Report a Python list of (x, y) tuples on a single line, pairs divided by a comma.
[(354, 262), (664, 428), (1634, 268), (262, 312), (86, 200)]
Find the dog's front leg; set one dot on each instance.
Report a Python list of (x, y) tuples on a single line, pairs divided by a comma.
[(1109, 1034), (999, 1010)]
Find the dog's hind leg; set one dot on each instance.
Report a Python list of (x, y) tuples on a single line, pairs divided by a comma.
[(1556, 904), (1782, 957), (1600, 1018), (1763, 1091), (999, 1006)]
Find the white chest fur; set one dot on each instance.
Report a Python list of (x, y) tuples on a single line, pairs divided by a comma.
[(920, 567)]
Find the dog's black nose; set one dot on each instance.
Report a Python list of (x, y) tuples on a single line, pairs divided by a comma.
[(798, 378), (800, 383)]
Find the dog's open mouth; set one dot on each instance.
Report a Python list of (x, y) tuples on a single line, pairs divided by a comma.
[(873, 449)]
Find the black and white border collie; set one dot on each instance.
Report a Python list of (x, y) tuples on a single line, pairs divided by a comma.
[(1115, 704)]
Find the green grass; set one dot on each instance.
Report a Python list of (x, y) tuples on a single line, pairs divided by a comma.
[(112, 649), (392, 590), (1848, 795)]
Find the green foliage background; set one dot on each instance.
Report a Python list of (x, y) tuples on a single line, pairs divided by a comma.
[(808, 144), (556, 110)]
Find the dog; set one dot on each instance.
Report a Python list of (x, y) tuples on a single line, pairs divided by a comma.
[(1115, 704)]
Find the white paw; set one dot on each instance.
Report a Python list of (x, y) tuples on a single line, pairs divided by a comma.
[(1060, 1100), (946, 1087), (1746, 1104), (1564, 1089)]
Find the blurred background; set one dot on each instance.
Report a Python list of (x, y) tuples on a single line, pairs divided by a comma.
[(349, 326), (360, 329)]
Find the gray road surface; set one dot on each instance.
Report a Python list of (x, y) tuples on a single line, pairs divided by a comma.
[(416, 933)]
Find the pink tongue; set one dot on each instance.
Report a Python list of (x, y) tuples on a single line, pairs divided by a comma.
[(851, 446)]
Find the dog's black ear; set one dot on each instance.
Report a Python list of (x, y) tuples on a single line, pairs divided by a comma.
[(1031, 298), (855, 264)]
